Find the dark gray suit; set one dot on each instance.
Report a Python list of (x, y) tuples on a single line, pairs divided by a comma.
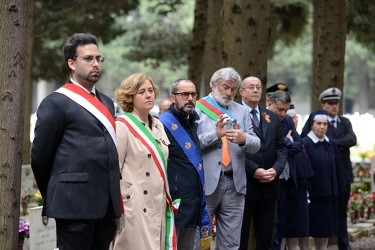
[(75, 161)]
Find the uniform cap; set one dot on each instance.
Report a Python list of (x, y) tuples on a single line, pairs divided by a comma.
[(330, 95), (277, 86)]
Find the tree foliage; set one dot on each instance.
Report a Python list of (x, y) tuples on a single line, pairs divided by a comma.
[(57, 20), (156, 38), (150, 46), (360, 21), (288, 21)]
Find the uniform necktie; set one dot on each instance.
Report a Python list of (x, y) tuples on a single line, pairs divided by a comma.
[(333, 123), (255, 117), (225, 154)]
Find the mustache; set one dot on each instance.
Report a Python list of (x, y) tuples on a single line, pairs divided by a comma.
[(189, 103)]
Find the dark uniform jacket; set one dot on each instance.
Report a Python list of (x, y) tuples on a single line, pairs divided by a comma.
[(183, 178), (345, 138)]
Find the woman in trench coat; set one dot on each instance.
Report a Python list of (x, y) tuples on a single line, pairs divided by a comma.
[(143, 151)]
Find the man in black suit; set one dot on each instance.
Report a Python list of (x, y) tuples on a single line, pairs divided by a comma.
[(262, 169), (74, 156), (341, 132)]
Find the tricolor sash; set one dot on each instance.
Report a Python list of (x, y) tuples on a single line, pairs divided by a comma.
[(213, 110), (192, 153), (146, 138), (92, 105)]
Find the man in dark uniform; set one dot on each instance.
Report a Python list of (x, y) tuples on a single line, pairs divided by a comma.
[(341, 132)]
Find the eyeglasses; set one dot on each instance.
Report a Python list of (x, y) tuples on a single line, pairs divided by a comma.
[(91, 59), (185, 95), (252, 87)]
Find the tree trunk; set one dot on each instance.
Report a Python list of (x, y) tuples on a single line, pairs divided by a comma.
[(245, 38), (28, 86), (212, 60), (197, 43), (13, 37), (329, 48)]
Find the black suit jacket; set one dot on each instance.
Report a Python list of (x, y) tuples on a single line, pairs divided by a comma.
[(345, 138), (74, 160), (272, 154)]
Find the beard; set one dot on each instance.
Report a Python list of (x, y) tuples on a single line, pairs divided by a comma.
[(184, 109), (219, 98), (88, 76)]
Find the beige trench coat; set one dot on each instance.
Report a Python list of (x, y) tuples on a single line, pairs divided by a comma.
[(142, 190)]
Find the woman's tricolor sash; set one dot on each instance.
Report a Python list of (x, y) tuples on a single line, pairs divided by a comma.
[(91, 104), (146, 138)]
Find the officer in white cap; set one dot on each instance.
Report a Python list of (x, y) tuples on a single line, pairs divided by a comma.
[(330, 95), (340, 130)]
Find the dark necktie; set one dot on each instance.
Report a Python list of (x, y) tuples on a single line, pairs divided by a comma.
[(255, 117), (333, 123)]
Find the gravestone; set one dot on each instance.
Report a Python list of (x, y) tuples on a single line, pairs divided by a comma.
[(42, 237), (28, 184)]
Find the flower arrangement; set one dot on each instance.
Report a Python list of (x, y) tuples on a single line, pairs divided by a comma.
[(25, 200), (367, 154), (355, 202), (23, 230), (362, 170), (369, 199), (39, 198)]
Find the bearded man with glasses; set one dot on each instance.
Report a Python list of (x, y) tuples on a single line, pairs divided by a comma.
[(185, 166)]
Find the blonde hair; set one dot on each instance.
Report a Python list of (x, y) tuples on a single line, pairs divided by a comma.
[(129, 87)]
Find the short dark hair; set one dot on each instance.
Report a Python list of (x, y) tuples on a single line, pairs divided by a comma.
[(174, 86), (281, 96), (78, 39)]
